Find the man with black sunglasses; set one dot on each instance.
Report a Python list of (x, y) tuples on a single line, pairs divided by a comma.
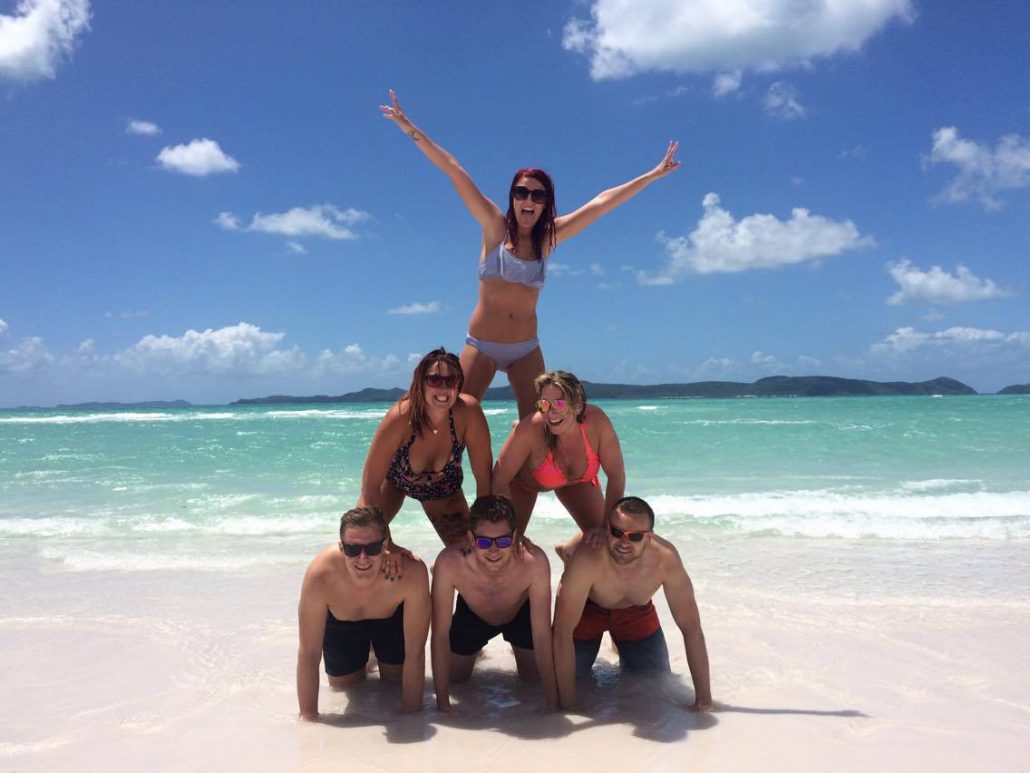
[(611, 589), (347, 604), (503, 588)]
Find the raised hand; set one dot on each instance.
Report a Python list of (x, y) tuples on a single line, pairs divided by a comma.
[(393, 112), (667, 164)]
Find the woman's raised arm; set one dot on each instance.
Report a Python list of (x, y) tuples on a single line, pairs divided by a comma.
[(569, 225), (482, 209)]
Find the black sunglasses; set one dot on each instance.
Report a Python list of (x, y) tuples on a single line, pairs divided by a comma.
[(435, 380), (354, 549), (632, 536), (521, 193), (503, 542)]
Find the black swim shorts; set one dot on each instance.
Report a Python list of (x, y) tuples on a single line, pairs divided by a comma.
[(345, 643), (470, 633)]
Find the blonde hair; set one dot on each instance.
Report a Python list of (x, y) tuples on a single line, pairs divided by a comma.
[(574, 392)]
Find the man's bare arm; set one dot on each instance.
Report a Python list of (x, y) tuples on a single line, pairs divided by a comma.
[(417, 612), (540, 622), (311, 613), (573, 591), (679, 593), (440, 645)]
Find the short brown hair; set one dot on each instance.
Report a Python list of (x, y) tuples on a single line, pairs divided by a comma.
[(493, 508), (635, 507), (368, 515)]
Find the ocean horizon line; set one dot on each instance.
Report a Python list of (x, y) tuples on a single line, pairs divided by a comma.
[(769, 386)]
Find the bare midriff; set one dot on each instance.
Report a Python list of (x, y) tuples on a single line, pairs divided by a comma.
[(505, 312)]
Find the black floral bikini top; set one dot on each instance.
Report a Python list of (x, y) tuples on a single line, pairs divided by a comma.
[(428, 484)]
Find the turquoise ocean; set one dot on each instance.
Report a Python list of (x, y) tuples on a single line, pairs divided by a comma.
[(239, 488)]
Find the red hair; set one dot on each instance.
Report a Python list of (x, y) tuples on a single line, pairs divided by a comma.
[(543, 231)]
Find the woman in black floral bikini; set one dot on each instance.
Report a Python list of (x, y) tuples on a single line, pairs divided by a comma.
[(416, 451)]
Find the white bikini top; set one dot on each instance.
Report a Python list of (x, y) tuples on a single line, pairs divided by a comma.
[(511, 268)]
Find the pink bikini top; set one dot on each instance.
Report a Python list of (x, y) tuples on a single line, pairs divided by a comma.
[(549, 475)]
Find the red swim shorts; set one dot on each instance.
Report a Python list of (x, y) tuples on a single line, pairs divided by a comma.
[(627, 624)]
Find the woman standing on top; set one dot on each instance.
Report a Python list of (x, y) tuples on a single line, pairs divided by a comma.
[(502, 334)]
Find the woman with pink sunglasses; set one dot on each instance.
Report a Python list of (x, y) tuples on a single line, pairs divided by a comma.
[(417, 450), (502, 333), (561, 448)]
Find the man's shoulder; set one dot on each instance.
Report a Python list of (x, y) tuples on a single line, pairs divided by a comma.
[(536, 559), (448, 560), (415, 572), (669, 563), (324, 561)]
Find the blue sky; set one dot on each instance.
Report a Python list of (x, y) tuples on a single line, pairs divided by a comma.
[(202, 201)]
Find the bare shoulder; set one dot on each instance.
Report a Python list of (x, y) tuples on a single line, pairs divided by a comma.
[(447, 561), (586, 562), (467, 403), (537, 561), (669, 560), (595, 415), (415, 573), (321, 568)]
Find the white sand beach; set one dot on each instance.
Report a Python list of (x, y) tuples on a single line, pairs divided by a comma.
[(825, 655)]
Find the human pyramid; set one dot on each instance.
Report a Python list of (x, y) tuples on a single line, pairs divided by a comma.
[(366, 591)]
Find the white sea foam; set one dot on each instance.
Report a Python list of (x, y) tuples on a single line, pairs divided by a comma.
[(937, 484), (164, 525), (647, 407), (495, 411), (854, 514), (740, 422), (318, 413), (90, 418), (150, 561), (52, 527)]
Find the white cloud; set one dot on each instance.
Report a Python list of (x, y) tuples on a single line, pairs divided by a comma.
[(136, 126), (198, 158), (721, 244), (432, 307), (352, 359), (624, 37), (28, 356), (767, 362), (127, 314), (781, 101), (3, 327), (39, 34), (228, 221), (323, 220), (294, 247), (938, 286), (242, 349), (982, 173), (726, 83), (965, 348)]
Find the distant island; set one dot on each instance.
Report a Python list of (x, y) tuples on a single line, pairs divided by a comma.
[(1016, 389), (115, 406), (772, 386)]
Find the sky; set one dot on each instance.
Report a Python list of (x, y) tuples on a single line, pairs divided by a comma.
[(202, 201)]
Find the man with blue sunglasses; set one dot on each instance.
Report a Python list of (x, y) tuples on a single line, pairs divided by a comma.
[(503, 588), (610, 590)]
